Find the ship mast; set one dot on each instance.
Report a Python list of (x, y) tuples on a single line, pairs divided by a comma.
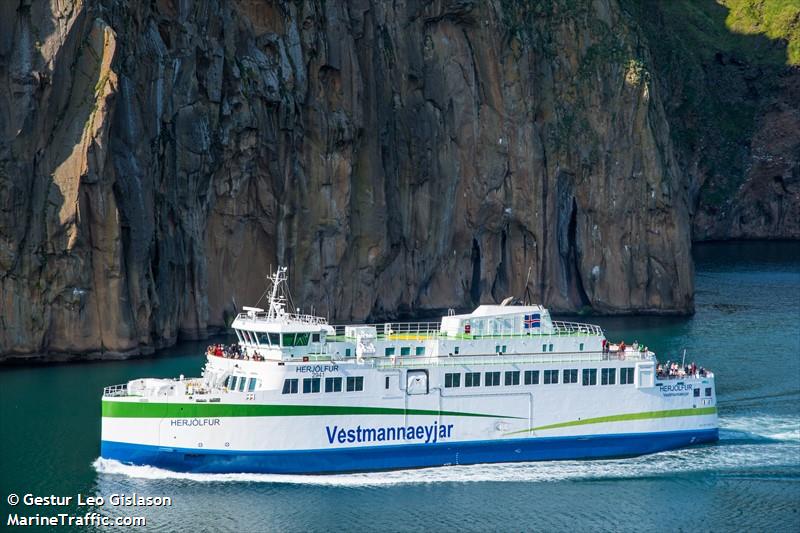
[(276, 299)]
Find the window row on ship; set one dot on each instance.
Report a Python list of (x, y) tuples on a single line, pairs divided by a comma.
[(420, 350), (607, 376), (276, 340)]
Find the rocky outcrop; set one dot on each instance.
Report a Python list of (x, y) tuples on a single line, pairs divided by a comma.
[(733, 103), (761, 198), (401, 158)]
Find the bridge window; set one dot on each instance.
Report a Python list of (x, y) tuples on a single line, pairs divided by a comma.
[(242, 381), (531, 377), (492, 379), (608, 376), (232, 382), (590, 376), (239, 335), (405, 350), (355, 383), (570, 375), (289, 386), (263, 338), (696, 393), (472, 379), (454, 380), (275, 339), (550, 377), (252, 385), (333, 384), (296, 339), (708, 391), (420, 350), (389, 351), (512, 377), (310, 385), (626, 376)]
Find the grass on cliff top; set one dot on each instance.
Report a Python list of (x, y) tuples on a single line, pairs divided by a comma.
[(777, 19), (765, 32)]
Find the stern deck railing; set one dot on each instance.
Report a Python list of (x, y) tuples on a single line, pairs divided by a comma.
[(116, 390)]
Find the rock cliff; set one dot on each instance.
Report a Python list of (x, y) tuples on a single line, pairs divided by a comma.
[(733, 102), (156, 157)]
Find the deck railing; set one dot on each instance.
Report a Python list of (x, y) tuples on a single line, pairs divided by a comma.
[(705, 373), (289, 317), (432, 330), (116, 390), (572, 328), (383, 361)]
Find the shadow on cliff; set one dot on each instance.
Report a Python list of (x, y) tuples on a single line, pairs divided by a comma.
[(728, 84)]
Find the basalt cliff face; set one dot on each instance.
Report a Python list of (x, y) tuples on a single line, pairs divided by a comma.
[(156, 157)]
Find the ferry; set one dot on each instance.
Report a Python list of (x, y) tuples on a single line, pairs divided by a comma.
[(505, 383)]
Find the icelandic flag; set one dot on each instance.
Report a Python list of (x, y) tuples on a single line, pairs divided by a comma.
[(533, 321)]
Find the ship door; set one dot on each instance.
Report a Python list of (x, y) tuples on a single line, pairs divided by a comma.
[(417, 382)]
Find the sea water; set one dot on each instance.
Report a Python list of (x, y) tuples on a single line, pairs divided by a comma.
[(746, 329)]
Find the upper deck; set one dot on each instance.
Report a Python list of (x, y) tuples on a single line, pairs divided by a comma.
[(276, 334)]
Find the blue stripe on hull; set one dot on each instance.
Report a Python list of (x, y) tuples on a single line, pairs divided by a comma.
[(390, 457)]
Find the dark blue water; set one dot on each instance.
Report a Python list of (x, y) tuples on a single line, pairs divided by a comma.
[(747, 329)]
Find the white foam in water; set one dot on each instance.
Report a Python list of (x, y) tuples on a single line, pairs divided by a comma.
[(785, 432), (777, 428)]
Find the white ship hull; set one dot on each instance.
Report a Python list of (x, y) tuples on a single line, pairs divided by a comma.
[(262, 432)]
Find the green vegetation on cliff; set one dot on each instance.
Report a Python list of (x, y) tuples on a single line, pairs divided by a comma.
[(761, 31), (777, 19)]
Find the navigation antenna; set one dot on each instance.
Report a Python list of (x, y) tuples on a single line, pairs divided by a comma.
[(277, 302)]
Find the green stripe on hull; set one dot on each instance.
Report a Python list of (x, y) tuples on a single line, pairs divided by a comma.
[(116, 409), (646, 415)]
